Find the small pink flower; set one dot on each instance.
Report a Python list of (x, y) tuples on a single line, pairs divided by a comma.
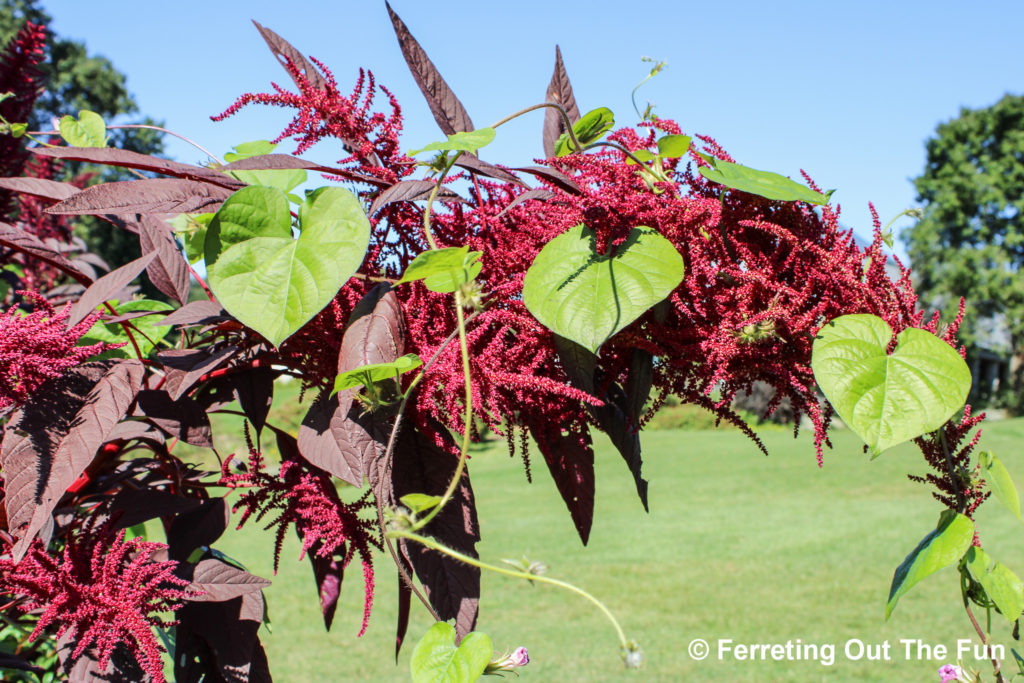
[(950, 673), (520, 657)]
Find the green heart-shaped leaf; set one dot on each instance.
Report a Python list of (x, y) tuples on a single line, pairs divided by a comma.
[(941, 548), (1001, 585), (995, 474), (285, 180), (271, 281), (376, 372), (588, 297), (435, 659), (762, 183), (888, 398), (467, 141), (590, 128), (88, 130), (673, 145), (444, 270)]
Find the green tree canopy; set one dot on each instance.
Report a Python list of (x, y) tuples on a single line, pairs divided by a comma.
[(970, 240)]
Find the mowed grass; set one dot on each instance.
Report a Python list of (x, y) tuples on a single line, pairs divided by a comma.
[(736, 546)]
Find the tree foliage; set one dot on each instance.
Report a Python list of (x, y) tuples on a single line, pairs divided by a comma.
[(970, 241)]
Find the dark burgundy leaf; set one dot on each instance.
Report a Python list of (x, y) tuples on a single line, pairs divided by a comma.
[(134, 429), (554, 177), (285, 52), (131, 315), (202, 312), (478, 165), (169, 272), (52, 439), (538, 194), (638, 385), (140, 505), (335, 435), (27, 243), (198, 527), (404, 605), (182, 419), (274, 162), (570, 459), (328, 573), (41, 188), (613, 417), (448, 111), (106, 288), (406, 190), (219, 642), (184, 367), (559, 92), (12, 661), (254, 389), (219, 581), (150, 195), (122, 667), (124, 158), (453, 588)]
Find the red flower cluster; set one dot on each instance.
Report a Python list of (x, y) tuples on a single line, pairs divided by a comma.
[(38, 346), (949, 450), (101, 592), (20, 76), (308, 500)]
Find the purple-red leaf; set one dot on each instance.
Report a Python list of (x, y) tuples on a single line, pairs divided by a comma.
[(538, 194), (219, 641), (139, 505), (149, 195), (559, 92), (203, 312), (254, 390), (554, 177), (106, 287), (220, 581), (183, 418), (478, 165), (335, 435), (197, 527), (570, 458), (41, 188), (285, 52), (124, 158), (184, 367), (52, 439), (169, 272), (453, 588), (328, 573), (406, 190), (29, 244), (448, 111)]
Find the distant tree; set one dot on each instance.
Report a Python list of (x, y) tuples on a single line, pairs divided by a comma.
[(72, 79), (970, 240)]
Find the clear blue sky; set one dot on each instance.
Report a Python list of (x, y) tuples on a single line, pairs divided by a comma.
[(848, 91)]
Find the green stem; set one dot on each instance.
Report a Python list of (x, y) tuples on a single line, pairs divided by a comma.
[(467, 420), (434, 545)]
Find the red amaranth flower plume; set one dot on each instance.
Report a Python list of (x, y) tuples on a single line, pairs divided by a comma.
[(308, 500), (101, 592), (19, 75), (38, 346), (949, 449)]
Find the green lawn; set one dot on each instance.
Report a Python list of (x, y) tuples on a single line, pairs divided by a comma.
[(759, 550)]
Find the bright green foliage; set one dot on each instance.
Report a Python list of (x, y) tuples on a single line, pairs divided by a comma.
[(672, 146), (267, 279), (469, 141), (941, 548), (444, 270), (88, 130), (146, 329), (995, 474), (419, 502), (588, 297), (285, 180), (590, 128), (761, 183), (376, 372), (888, 398), (1001, 585), (970, 241), (436, 659), (190, 228)]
